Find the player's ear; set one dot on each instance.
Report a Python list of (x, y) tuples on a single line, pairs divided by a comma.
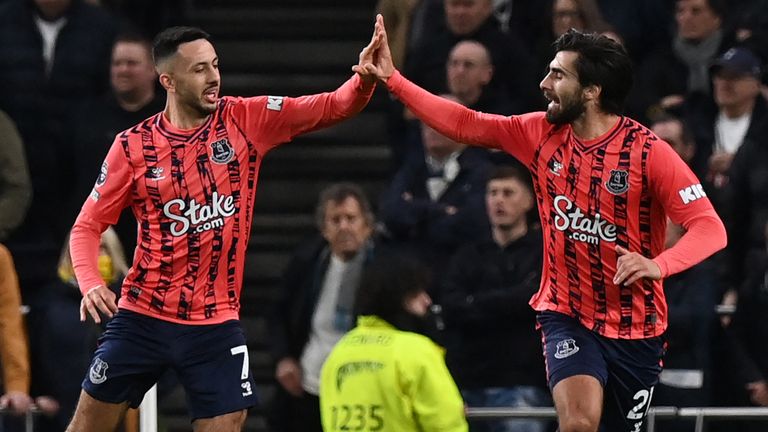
[(592, 92), (167, 81)]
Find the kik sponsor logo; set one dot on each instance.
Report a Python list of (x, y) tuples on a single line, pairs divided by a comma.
[(577, 226), (348, 369), (198, 217), (692, 193)]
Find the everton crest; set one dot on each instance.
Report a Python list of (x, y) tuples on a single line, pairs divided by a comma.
[(222, 152), (98, 372), (618, 182)]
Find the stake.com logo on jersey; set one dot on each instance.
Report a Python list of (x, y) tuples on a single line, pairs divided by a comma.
[(198, 217), (583, 229)]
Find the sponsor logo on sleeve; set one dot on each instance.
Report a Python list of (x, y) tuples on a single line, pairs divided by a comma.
[(275, 103), (102, 178), (692, 193), (95, 195)]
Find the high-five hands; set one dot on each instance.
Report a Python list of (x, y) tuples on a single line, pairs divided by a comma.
[(98, 299), (376, 59), (632, 266)]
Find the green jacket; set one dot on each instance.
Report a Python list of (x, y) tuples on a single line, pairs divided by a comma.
[(378, 378)]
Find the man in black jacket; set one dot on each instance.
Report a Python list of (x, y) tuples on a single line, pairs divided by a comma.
[(493, 347), (316, 304)]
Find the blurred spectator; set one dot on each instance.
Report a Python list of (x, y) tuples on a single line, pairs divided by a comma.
[(582, 15), (672, 73), (720, 131), (473, 19), (62, 353), (435, 203), (691, 299), (14, 352), (643, 25), (523, 19), (386, 373), (15, 187), (469, 71), (749, 351), (315, 307), (53, 55), (132, 99), (746, 202), (677, 134), (493, 346)]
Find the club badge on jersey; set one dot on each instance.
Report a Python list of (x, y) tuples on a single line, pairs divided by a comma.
[(222, 152)]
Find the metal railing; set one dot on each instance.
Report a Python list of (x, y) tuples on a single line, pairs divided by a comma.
[(29, 418), (700, 414)]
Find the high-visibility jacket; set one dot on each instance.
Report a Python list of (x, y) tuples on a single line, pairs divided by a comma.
[(378, 378)]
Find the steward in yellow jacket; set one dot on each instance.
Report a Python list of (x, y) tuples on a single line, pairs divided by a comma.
[(382, 378)]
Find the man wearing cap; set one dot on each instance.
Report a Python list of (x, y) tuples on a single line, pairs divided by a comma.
[(738, 108)]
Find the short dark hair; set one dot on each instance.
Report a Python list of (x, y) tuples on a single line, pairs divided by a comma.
[(167, 41), (136, 37), (603, 62), (500, 172), (338, 193), (387, 282), (687, 134)]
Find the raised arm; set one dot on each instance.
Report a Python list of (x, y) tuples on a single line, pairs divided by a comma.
[(517, 135), (277, 119)]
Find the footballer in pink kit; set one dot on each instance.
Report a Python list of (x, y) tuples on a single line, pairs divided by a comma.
[(605, 186), (189, 174)]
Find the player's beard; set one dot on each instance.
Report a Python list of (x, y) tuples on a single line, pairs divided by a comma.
[(571, 107)]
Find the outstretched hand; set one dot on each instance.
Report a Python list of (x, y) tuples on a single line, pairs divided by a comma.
[(632, 266), (376, 59)]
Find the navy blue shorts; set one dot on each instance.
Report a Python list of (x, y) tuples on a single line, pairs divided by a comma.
[(211, 362), (627, 369)]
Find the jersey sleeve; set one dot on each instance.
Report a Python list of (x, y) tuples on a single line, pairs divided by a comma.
[(517, 135), (685, 203), (273, 120), (110, 195), (437, 403)]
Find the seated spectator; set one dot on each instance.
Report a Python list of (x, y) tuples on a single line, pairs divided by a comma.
[(473, 20), (673, 73), (677, 134), (15, 187), (494, 350), (435, 203), (62, 353), (383, 372), (738, 108), (54, 55), (582, 15), (746, 203), (691, 299), (315, 306), (131, 99), (469, 71)]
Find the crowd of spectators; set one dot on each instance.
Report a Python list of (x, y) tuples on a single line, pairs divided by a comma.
[(74, 73)]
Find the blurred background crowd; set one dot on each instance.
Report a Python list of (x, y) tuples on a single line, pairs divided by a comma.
[(74, 73)]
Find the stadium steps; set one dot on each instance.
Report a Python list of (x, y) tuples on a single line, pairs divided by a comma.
[(289, 48)]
